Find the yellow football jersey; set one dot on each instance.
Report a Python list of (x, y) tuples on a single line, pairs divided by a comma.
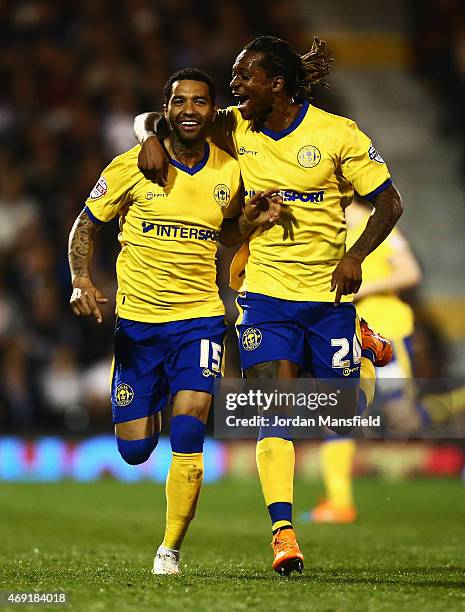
[(167, 265), (316, 163), (386, 313)]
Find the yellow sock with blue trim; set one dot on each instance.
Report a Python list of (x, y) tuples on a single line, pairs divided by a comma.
[(275, 463), (336, 456), (184, 477)]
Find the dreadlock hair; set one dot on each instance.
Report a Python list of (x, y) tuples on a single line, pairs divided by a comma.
[(300, 72), (189, 74)]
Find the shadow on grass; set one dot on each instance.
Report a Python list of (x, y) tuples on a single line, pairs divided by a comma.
[(435, 577)]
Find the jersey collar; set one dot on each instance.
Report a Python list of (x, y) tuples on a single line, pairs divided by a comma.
[(197, 167), (294, 125)]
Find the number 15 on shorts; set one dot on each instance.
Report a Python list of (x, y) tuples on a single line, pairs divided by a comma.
[(210, 356)]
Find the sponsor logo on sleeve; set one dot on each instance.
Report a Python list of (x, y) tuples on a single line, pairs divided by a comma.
[(309, 156), (100, 189), (374, 155)]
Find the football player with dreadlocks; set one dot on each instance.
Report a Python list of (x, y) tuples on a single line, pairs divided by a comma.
[(297, 279)]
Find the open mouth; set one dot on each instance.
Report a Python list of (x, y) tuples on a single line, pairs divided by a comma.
[(189, 125), (242, 100)]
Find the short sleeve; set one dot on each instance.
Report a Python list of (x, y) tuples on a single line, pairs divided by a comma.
[(110, 193), (361, 164)]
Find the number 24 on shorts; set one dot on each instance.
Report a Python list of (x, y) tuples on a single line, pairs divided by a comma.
[(343, 343)]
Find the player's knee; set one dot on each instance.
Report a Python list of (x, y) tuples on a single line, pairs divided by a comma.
[(266, 369), (137, 451), (187, 434), (192, 403)]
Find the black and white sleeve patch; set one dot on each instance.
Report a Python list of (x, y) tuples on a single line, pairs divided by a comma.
[(374, 155)]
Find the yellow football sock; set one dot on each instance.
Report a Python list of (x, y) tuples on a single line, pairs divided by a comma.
[(336, 458), (275, 463), (182, 492), (367, 380)]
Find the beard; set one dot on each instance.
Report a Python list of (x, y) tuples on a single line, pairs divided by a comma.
[(188, 140)]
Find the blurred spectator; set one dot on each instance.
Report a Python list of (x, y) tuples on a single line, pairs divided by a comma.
[(18, 212), (60, 381), (438, 33)]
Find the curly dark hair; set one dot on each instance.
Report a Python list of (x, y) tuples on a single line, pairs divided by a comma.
[(300, 72), (189, 74)]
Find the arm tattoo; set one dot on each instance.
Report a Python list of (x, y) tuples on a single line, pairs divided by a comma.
[(80, 246), (388, 209)]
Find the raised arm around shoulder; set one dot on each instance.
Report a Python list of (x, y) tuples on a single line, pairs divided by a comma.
[(150, 129), (145, 125)]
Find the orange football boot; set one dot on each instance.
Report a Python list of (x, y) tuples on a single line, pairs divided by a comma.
[(327, 513), (287, 555), (380, 347)]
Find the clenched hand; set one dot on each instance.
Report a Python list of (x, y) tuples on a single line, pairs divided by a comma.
[(86, 298), (153, 161)]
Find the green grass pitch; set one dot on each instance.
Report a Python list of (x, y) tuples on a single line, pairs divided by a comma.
[(96, 542)]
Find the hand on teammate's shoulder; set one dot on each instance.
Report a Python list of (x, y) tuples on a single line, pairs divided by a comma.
[(153, 161)]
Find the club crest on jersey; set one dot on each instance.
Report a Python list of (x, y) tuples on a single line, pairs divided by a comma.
[(124, 394), (374, 155), (251, 338), (222, 195), (309, 156), (100, 189)]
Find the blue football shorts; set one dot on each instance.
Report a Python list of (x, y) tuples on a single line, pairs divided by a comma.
[(152, 360), (320, 337)]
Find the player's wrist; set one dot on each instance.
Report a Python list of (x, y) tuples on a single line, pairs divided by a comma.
[(247, 224), (79, 282), (359, 257), (148, 135)]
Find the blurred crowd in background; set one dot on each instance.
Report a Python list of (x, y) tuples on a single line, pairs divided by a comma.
[(438, 39), (74, 74)]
